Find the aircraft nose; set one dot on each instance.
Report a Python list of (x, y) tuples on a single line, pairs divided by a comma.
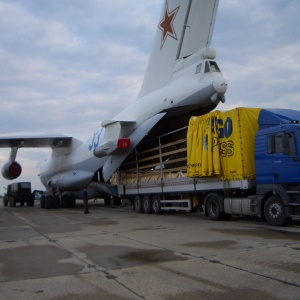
[(220, 85)]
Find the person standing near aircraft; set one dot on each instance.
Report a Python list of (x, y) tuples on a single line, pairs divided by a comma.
[(85, 201)]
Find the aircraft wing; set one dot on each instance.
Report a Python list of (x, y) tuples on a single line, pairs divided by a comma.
[(106, 123), (34, 141)]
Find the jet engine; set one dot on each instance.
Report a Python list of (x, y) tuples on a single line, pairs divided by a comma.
[(11, 170)]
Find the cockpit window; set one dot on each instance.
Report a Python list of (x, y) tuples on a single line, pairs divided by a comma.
[(211, 66), (198, 69), (214, 67)]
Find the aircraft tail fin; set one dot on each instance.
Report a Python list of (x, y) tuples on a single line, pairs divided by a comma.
[(184, 27)]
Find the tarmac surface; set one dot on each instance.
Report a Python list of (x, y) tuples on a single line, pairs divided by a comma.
[(116, 253)]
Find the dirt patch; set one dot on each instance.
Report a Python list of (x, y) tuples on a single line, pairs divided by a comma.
[(114, 257), (268, 234), (212, 245), (35, 262), (230, 294)]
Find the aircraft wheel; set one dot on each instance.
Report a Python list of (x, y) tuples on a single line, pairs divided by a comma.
[(42, 202), (72, 201), (65, 201), (56, 202), (147, 204), (138, 204), (106, 200), (49, 202)]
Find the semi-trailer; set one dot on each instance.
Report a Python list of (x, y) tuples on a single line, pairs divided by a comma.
[(244, 161)]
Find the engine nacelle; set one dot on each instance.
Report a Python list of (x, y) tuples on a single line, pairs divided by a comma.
[(11, 170)]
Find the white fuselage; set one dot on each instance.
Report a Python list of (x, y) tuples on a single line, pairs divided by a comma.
[(181, 79), (191, 86)]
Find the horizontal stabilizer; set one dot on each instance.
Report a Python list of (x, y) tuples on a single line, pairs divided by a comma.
[(112, 147), (32, 141), (114, 161), (105, 123)]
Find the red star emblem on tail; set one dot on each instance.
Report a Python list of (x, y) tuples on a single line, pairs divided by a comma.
[(166, 24)]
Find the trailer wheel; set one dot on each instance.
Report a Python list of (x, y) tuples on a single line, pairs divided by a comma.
[(275, 211), (213, 208), (147, 205), (138, 204), (156, 205)]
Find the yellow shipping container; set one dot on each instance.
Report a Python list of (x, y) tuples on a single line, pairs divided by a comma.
[(222, 144)]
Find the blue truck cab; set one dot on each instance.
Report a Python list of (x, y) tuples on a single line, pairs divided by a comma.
[(277, 163)]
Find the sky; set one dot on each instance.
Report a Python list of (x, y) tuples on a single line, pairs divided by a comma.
[(66, 65)]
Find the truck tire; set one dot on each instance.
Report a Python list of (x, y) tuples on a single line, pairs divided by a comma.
[(12, 202), (147, 205), (156, 208), (5, 201), (138, 207), (274, 211), (213, 207)]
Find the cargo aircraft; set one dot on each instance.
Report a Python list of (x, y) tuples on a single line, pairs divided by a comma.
[(182, 79)]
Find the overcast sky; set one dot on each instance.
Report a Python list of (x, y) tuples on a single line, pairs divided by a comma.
[(65, 65)]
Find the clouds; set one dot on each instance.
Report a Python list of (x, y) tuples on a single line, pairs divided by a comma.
[(258, 45), (68, 54), (67, 65)]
